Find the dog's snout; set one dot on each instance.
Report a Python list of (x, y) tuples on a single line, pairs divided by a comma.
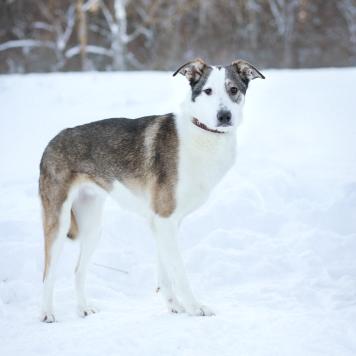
[(224, 116)]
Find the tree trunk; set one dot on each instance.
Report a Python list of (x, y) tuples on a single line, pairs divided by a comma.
[(82, 33), (253, 34), (119, 35)]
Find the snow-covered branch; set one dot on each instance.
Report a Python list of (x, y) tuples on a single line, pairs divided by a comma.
[(26, 43), (89, 49), (70, 17), (43, 25), (108, 17), (88, 5)]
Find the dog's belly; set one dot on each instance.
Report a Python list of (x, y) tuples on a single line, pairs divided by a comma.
[(127, 199)]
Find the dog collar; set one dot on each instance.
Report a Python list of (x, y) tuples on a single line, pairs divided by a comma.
[(196, 122)]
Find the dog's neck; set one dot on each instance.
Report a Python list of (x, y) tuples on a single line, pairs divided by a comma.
[(196, 122)]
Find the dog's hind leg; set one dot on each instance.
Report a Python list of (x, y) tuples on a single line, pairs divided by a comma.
[(166, 288), (56, 223), (88, 209), (165, 231)]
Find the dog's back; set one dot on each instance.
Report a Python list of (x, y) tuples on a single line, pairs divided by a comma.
[(112, 149)]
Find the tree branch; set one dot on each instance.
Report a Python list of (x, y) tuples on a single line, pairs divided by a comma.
[(26, 43), (89, 49), (43, 25)]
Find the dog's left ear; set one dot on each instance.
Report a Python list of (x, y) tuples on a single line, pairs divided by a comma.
[(192, 70), (246, 70)]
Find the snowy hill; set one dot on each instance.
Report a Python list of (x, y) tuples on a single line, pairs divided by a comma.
[(273, 251)]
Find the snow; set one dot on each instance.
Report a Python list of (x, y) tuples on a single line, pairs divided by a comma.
[(273, 251)]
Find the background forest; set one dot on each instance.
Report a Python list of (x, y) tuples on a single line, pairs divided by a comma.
[(73, 35)]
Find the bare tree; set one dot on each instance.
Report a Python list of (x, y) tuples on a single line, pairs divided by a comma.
[(59, 28), (253, 8), (284, 15), (116, 20), (150, 14), (82, 33), (348, 9)]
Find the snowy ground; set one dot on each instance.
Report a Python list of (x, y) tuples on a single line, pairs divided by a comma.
[(273, 251)]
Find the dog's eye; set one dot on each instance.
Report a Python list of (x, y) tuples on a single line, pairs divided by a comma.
[(233, 90), (208, 91)]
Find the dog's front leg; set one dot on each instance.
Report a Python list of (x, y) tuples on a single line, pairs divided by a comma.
[(172, 272), (165, 287)]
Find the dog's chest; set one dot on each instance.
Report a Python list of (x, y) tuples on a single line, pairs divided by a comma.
[(202, 165)]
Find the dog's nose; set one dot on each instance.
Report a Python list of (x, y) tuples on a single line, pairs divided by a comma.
[(224, 116)]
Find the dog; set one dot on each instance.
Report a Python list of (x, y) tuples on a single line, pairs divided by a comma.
[(162, 167)]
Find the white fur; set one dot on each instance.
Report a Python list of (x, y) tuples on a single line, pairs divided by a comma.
[(204, 158), (206, 107)]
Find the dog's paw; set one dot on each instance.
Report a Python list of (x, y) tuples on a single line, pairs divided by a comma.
[(174, 306), (48, 317), (200, 310), (85, 311)]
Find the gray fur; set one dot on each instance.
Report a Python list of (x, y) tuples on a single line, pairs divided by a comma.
[(197, 87), (113, 149), (233, 79)]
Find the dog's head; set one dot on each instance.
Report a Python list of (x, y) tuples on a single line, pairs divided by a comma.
[(217, 92)]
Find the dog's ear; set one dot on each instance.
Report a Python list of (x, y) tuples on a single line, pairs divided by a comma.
[(247, 71), (192, 70)]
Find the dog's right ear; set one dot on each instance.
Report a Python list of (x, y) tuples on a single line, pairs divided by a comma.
[(247, 71), (192, 70)]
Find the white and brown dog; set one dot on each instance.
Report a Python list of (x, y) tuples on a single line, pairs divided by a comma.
[(163, 167)]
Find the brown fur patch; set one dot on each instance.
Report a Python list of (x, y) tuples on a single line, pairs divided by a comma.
[(164, 168), (158, 170), (246, 70)]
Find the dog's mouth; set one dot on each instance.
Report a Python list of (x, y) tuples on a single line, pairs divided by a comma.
[(196, 122)]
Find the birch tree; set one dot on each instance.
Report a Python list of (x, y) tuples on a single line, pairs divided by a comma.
[(348, 9), (283, 12)]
